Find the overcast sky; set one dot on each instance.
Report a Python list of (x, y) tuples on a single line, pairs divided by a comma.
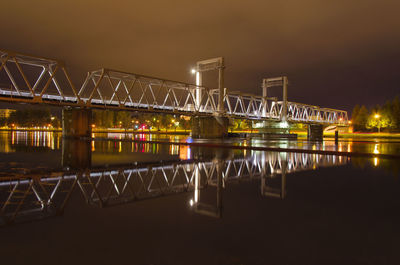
[(335, 53)]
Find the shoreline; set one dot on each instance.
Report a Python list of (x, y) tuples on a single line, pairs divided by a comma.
[(357, 135)]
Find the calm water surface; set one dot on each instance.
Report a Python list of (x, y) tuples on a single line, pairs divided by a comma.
[(122, 202)]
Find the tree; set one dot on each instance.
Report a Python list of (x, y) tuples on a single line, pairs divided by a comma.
[(55, 122), (355, 112), (184, 123), (124, 119), (360, 121), (165, 121), (396, 113), (108, 119), (3, 122)]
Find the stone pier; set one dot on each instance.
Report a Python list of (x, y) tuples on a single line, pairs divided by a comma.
[(209, 127), (76, 123), (315, 132)]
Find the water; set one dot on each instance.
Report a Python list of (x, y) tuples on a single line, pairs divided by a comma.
[(112, 201)]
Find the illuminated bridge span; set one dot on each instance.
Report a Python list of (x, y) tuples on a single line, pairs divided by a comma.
[(26, 198), (31, 79)]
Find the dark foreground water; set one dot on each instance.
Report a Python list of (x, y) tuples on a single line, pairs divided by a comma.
[(113, 202)]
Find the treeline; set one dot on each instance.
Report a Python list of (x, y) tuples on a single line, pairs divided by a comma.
[(139, 121), (31, 118), (379, 118)]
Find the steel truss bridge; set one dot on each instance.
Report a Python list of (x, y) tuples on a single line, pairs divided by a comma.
[(32, 79), (27, 197)]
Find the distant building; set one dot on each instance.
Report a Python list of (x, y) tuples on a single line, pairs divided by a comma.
[(5, 113)]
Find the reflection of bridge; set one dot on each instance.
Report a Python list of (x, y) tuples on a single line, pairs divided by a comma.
[(26, 198), (34, 79)]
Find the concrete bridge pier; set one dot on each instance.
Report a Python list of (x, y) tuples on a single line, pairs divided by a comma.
[(76, 123), (315, 132), (209, 127)]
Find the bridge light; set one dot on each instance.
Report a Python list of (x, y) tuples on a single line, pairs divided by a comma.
[(284, 124)]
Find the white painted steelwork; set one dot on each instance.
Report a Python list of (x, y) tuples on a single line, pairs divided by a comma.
[(32, 79)]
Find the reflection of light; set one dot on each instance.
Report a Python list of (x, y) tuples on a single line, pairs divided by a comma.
[(376, 151), (120, 147), (191, 202), (93, 147), (376, 161), (184, 152), (196, 184)]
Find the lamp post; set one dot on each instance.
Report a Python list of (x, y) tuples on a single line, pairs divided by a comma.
[(199, 83), (377, 116)]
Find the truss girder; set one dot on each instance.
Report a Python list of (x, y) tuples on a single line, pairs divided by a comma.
[(34, 79), (40, 80)]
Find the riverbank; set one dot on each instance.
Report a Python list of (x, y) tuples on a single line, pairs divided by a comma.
[(301, 134)]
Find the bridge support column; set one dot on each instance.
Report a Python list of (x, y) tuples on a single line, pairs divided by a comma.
[(209, 127), (315, 132), (76, 123)]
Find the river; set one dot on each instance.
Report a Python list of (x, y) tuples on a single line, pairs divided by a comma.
[(170, 199)]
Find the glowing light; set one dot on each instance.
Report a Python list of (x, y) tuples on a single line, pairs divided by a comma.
[(377, 116), (349, 122), (193, 71), (191, 202), (284, 124), (376, 151), (376, 161)]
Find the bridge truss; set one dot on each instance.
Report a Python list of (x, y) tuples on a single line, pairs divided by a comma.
[(32, 79)]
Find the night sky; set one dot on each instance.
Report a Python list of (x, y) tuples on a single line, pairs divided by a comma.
[(335, 53)]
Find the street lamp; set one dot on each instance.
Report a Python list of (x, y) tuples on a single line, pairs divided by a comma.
[(377, 116), (198, 84)]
